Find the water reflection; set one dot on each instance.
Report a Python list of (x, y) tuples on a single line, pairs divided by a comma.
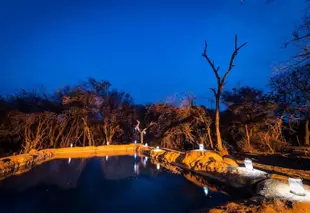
[(205, 190), (97, 185)]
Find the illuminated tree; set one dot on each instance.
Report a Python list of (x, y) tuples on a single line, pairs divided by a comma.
[(220, 85)]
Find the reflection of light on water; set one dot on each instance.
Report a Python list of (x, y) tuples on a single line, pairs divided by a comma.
[(144, 161), (158, 166), (136, 168), (206, 190), (135, 156), (69, 160), (106, 158)]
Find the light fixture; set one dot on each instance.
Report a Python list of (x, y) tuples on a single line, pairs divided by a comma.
[(296, 186), (158, 166), (108, 142), (248, 164), (201, 148), (71, 145), (135, 141), (157, 147), (206, 190), (145, 145)]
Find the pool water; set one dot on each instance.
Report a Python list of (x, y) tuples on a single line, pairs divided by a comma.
[(103, 184)]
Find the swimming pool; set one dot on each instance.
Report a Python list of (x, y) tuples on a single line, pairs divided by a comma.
[(104, 184)]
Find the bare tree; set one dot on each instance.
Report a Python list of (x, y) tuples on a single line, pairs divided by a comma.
[(220, 85), (142, 131)]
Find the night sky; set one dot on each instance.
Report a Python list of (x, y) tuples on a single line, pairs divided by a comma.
[(149, 48)]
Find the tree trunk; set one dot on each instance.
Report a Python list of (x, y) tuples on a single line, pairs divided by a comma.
[(217, 124), (210, 138), (307, 133), (247, 134), (141, 137)]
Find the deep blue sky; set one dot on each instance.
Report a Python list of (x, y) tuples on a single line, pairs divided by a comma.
[(149, 48)]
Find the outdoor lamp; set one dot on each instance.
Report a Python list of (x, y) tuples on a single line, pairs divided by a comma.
[(201, 148), (135, 141), (296, 186), (157, 147), (158, 166), (248, 164), (71, 145), (108, 142), (145, 145)]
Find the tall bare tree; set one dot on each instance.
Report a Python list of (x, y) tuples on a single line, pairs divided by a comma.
[(220, 85)]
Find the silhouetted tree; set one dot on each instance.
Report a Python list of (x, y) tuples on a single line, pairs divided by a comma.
[(220, 85)]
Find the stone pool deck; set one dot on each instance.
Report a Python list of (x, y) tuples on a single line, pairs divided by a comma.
[(226, 170)]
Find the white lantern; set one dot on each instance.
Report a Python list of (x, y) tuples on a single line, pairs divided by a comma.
[(206, 190), (248, 164), (157, 147), (296, 186), (108, 142), (145, 145), (201, 148), (135, 141), (158, 166), (71, 145)]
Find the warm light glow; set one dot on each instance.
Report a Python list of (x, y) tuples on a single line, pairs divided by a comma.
[(69, 160), (145, 145), (206, 190), (296, 186), (157, 149), (71, 145), (201, 148), (248, 164), (158, 166), (108, 142)]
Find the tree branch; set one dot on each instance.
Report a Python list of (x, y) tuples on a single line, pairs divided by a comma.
[(211, 63)]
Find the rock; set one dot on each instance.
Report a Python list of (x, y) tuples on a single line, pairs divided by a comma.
[(33, 151), (193, 157), (230, 161)]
